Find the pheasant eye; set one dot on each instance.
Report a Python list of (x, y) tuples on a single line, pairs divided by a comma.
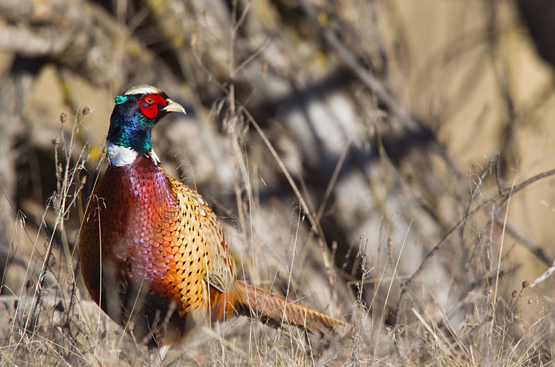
[(149, 100)]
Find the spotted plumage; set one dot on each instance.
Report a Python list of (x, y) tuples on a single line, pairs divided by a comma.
[(153, 254)]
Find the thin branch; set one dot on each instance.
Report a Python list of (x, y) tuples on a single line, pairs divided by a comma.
[(405, 287)]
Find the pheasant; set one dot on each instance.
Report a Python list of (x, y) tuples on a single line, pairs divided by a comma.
[(153, 254)]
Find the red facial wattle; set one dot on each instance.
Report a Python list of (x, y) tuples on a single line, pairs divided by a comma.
[(149, 104)]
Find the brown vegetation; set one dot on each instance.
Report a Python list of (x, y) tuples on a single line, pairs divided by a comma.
[(386, 162)]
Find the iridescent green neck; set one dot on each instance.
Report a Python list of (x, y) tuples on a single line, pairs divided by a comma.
[(129, 128)]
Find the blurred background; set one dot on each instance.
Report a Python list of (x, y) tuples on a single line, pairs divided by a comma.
[(338, 141)]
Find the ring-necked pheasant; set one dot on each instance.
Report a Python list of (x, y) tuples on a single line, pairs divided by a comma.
[(152, 252)]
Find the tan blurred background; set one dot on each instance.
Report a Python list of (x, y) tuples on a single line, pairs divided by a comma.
[(408, 101)]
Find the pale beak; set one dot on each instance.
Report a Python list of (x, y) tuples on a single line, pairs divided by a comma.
[(173, 107)]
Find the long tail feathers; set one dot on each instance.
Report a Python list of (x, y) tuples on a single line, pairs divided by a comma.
[(250, 299)]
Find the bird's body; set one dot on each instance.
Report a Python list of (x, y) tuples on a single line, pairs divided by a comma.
[(153, 254), (153, 232)]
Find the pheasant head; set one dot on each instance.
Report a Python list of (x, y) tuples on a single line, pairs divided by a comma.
[(136, 112)]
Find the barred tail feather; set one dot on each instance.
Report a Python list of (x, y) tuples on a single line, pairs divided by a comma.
[(250, 299)]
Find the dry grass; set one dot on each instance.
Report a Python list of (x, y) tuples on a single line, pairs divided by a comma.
[(49, 322)]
